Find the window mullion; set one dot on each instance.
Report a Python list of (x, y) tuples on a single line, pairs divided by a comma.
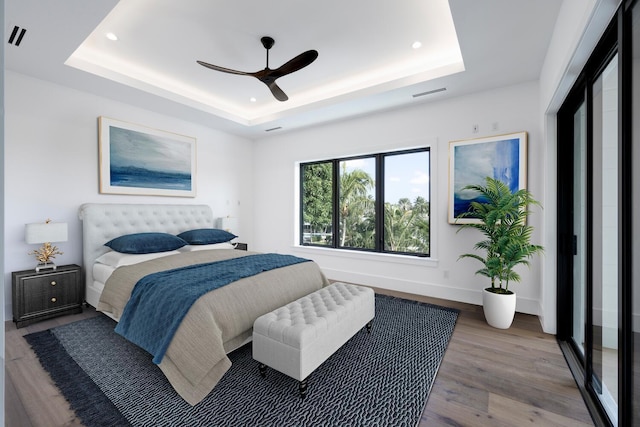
[(379, 192), (336, 203)]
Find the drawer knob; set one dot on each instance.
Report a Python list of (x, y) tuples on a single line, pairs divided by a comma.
[(54, 299), (53, 283)]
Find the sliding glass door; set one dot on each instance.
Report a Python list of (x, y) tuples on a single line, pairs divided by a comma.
[(598, 237), (579, 236), (593, 230), (605, 232)]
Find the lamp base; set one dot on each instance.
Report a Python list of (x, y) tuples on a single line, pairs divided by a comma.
[(45, 266)]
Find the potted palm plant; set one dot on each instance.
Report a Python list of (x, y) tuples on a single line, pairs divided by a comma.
[(502, 219)]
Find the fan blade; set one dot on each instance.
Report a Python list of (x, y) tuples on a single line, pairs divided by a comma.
[(276, 91), (224, 70), (269, 76), (295, 64)]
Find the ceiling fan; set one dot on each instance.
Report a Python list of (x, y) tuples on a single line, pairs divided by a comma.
[(268, 76)]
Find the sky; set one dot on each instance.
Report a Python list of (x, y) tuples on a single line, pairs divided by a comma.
[(407, 175), (132, 148)]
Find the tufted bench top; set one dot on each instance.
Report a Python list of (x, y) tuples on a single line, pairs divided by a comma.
[(301, 322)]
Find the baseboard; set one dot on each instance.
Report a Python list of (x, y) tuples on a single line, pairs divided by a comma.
[(434, 290), (8, 311)]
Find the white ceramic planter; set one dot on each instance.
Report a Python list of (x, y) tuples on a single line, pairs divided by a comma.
[(499, 309)]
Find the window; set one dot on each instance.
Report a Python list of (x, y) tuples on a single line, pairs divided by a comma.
[(377, 202)]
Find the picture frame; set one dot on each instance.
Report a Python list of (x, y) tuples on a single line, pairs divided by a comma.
[(502, 157), (139, 160)]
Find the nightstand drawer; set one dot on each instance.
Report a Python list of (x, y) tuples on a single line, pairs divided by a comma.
[(45, 294), (49, 292)]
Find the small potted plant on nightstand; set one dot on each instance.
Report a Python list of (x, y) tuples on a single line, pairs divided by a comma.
[(502, 219)]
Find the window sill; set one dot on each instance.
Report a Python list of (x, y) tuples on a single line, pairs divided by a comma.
[(369, 256)]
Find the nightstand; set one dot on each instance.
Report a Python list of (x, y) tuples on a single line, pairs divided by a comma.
[(241, 246), (42, 295)]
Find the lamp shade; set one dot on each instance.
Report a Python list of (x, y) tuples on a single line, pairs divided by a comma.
[(45, 232)]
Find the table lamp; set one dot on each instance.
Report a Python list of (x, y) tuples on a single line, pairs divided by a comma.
[(45, 233)]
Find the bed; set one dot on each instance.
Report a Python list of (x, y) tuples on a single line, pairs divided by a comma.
[(220, 321)]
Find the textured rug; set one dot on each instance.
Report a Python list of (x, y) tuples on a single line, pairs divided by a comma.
[(377, 379)]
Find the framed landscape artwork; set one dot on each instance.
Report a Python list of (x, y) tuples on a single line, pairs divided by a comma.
[(143, 161), (503, 157)]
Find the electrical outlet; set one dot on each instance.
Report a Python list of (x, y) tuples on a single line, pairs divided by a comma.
[(475, 128)]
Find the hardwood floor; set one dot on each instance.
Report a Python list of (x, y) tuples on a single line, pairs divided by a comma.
[(511, 377)]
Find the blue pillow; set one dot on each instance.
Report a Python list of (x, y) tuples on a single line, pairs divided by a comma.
[(145, 243), (206, 236)]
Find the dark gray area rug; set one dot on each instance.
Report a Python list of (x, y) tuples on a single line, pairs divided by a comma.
[(377, 379)]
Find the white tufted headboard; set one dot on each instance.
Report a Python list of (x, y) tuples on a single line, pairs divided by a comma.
[(102, 222)]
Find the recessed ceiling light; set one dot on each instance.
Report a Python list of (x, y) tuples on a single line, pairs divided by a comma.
[(112, 36), (416, 45), (253, 99)]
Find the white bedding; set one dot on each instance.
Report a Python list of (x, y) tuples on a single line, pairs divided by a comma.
[(106, 264), (101, 273), (117, 259), (192, 248)]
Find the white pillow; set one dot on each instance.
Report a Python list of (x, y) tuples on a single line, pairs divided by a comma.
[(118, 259), (191, 248)]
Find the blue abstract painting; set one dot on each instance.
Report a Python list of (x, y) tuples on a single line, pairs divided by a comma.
[(146, 161), (502, 158)]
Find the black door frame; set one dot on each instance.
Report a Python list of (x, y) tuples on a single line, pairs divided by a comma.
[(617, 39)]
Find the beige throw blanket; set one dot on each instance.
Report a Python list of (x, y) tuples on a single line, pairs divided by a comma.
[(220, 321)]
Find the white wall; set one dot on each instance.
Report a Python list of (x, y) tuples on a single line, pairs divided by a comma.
[(578, 28), (51, 166), (434, 124)]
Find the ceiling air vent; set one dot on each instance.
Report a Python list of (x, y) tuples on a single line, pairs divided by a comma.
[(16, 35), (430, 92)]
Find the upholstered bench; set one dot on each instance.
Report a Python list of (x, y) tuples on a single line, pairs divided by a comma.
[(299, 337)]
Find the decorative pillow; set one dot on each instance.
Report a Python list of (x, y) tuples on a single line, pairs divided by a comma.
[(145, 243), (206, 236), (191, 248), (118, 259)]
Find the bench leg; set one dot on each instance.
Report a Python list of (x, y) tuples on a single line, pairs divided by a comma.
[(263, 370), (302, 387), (369, 327)]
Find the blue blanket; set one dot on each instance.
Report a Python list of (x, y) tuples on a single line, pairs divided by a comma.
[(160, 301)]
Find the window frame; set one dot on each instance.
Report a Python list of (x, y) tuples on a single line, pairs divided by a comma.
[(379, 191)]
